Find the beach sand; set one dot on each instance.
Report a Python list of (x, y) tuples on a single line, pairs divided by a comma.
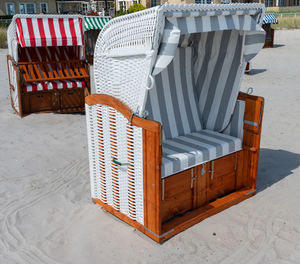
[(47, 216)]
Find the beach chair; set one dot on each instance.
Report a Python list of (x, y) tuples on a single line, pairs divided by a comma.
[(266, 25), (171, 139), (92, 27), (46, 64)]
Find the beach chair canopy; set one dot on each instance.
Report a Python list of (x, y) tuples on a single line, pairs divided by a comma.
[(270, 19), (44, 31), (95, 22), (50, 31), (132, 50)]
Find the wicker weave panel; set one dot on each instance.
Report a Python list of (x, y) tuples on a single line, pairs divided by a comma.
[(113, 140), (115, 76)]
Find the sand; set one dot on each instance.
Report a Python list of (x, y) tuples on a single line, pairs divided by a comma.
[(46, 215)]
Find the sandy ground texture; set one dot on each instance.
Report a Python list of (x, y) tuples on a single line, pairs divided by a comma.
[(46, 215)]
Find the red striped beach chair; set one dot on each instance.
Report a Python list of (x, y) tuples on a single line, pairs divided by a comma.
[(46, 64)]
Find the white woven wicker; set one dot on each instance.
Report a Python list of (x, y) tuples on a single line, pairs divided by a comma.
[(110, 138)]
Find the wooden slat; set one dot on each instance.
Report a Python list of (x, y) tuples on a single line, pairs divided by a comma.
[(24, 73), (152, 181), (31, 71), (70, 67), (37, 71), (75, 67), (62, 70), (54, 69), (178, 195), (200, 185)]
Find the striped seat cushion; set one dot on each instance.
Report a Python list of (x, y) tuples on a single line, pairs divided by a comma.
[(184, 152), (172, 101), (52, 85)]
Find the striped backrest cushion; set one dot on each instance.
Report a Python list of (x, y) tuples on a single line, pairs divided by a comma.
[(172, 100), (218, 73)]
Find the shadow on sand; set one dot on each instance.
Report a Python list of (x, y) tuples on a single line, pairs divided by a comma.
[(257, 71), (274, 166), (278, 45)]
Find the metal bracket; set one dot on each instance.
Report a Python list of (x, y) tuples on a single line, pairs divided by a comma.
[(193, 177), (212, 171), (202, 170), (133, 114), (235, 163), (120, 163), (163, 189), (172, 230)]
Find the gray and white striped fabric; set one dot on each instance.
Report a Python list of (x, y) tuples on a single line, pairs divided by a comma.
[(196, 148), (172, 101), (218, 73), (210, 18), (236, 125)]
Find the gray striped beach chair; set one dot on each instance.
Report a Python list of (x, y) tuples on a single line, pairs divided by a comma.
[(172, 140)]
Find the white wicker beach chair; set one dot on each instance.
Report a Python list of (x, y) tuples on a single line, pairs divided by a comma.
[(45, 60), (171, 139)]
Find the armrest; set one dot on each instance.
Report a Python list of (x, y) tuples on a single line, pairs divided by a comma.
[(235, 127), (114, 141), (113, 102)]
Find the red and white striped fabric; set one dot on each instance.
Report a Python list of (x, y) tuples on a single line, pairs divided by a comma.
[(49, 31), (52, 85)]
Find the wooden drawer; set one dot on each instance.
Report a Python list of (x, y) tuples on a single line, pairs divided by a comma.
[(177, 197), (40, 101), (72, 98), (221, 177)]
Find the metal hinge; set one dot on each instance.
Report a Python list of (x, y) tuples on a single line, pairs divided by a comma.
[(212, 171), (193, 177), (163, 189)]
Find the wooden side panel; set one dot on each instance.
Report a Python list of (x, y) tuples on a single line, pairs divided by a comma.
[(26, 103), (152, 180), (177, 195), (241, 177), (251, 141)]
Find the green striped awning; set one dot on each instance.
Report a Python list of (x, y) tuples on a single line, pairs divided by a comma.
[(95, 22)]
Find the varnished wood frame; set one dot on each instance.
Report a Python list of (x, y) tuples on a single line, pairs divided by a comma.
[(245, 186), (19, 81)]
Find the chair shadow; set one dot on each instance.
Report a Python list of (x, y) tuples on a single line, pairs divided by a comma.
[(274, 166), (257, 71), (278, 45)]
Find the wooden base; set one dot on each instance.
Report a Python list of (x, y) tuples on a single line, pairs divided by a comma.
[(187, 220), (58, 101)]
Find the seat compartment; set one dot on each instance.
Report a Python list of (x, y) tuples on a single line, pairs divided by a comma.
[(196, 148)]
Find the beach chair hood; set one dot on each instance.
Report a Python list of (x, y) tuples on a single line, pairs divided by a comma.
[(95, 22), (44, 31), (132, 49)]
